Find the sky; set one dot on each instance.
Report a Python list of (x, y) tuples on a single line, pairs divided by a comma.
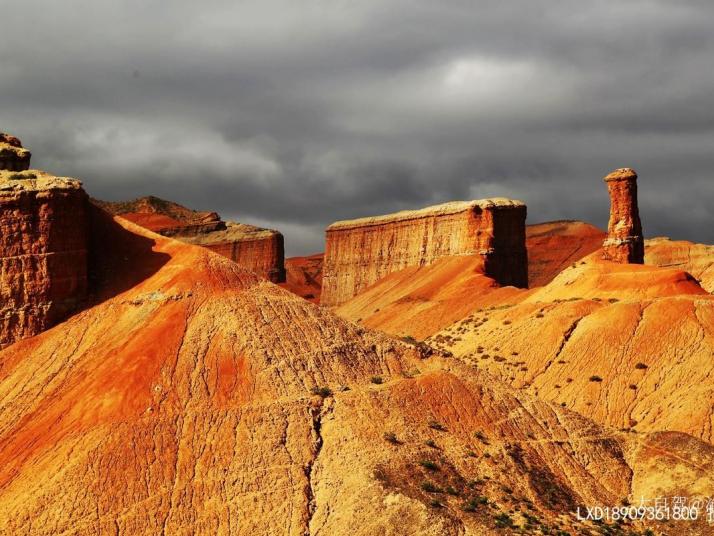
[(294, 114)]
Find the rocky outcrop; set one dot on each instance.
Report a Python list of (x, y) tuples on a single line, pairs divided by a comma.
[(13, 157), (303, 276), (553, 246), (259, 250), (254, 248), (696, 259), (43, 251), (360, 252), (624, 243)]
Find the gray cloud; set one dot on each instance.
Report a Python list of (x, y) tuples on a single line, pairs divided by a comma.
[(296, 114)]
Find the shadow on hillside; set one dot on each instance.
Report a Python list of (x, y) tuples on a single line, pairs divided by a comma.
[(118, 258)]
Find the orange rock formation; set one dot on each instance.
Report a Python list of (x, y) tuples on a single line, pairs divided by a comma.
[(697, 259), (13, 157), (259, 250), (43, 251), (304, 276), (201, 399), (360, 252), (624, 241), (553, 246), (627, 345)]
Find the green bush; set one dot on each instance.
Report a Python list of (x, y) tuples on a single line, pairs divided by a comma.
[(324, 392), (429, 465)]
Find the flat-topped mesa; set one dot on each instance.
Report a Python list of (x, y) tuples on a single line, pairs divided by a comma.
[(43, 251), (624, 242), (259, 250), (13, 156), (360, 252)]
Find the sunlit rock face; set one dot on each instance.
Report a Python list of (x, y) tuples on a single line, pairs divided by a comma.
[(360, 252), (624, 241), (43, 251)]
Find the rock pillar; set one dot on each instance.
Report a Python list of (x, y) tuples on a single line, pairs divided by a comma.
[(624, 242)]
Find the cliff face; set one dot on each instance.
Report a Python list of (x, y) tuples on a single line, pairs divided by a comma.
[(624, 243), (13, 157), (360, 252), (43, 251), (256, 249), (261, 251)]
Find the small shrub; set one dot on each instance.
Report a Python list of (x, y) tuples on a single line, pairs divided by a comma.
[(377, 380), (324, 392), (452, 491), (429, 465), (431, 443), (640, 366), (613, 300), (391, 437), (436, 425), (504, 521), (470, 506), (435, 504), (633, 386), (506, 322), (595, 378), (430, 487), (409, 339), (481, 436), (539, 315)]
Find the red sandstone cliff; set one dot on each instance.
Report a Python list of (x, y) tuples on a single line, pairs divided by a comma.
[(13, 157), (360, 252), (624, 241), (256, 249), (43, 251)]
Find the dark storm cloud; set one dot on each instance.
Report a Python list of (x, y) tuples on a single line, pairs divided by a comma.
[(298, 113)]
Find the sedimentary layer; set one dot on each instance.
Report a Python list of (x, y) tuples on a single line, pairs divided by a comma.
[(259, 250), (43, 251), (360, 252), (254, 248)]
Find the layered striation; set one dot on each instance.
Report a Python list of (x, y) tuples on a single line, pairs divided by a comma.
[(43, 251), (360, 252), (259, 250)]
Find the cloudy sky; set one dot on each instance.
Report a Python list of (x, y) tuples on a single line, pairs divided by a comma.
[(297, 113)]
